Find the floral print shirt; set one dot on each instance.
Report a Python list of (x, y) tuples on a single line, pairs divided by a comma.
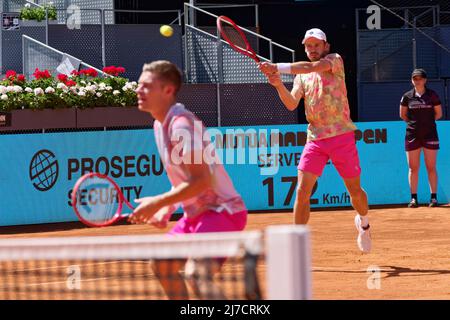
[(326, 104)]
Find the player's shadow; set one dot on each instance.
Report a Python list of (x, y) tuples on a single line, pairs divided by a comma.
[(400, 271), (392, 271)]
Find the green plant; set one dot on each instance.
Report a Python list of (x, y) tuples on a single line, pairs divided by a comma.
[(82, 89), (38, 13)]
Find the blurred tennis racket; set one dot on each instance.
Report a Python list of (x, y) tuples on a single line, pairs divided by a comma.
[(98, 201), (235, 37)]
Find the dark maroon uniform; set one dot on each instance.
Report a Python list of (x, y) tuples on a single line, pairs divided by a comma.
[(421, 131)]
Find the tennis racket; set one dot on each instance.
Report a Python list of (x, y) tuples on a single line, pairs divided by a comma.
[(235, 37), (98, 201)]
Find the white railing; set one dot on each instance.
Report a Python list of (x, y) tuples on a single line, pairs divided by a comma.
[(49, 61), (189, 21)]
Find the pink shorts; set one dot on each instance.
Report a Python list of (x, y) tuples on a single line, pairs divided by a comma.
[(211, 221), (340, 149)]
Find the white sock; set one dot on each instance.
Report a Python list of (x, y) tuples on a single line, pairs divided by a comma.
[(364, 221)]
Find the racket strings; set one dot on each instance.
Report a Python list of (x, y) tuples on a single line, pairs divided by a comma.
[(97, 200), (232, 35)]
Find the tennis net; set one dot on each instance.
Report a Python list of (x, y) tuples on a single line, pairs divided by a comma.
[(201, 266)]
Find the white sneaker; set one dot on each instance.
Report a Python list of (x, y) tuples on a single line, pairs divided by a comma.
[(364, 240)]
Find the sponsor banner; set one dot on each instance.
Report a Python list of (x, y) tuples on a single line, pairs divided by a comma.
[(38, 171)]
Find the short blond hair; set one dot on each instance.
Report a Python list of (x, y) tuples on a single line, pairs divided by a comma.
[(166, 71)]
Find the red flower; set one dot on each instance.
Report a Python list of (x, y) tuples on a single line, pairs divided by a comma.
[(107, 70), (89, 72), (38, 74), (21, 78), (114, 71), (62, 77), (75, 73), (71, 83), (11, 74)]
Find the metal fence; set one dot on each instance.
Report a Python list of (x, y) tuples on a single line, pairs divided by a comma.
[(224, 87), (242, 95), (236, 104), (374, 106), (65, 8), (17, 5), (98, 42), (37, 54), (208, 58), (410, 38)]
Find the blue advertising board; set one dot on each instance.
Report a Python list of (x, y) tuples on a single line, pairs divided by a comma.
[(38, 171)]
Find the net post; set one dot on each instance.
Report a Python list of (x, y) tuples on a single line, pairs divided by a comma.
[(186, 54), (46, 25), (24, 58), (257, 18), (376, 73), (288, 261), (438, 15), (414, 44), (102, 20), (219, 75), (271, 51), (192, 12), (219, 57)]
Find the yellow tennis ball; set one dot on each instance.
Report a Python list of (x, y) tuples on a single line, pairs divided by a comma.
[(166, 30)]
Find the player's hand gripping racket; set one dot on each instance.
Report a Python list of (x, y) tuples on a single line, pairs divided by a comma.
[(235, 37), (98, 200)]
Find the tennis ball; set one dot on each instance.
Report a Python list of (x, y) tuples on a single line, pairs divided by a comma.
[(166, 30)]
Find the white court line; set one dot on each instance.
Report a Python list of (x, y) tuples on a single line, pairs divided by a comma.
[(81, 265), (81, 280)]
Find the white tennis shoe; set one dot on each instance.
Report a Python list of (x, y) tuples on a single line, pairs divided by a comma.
[(364, 240)]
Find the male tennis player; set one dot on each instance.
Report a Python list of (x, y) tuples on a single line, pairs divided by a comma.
[(202, 186), (321, 82)]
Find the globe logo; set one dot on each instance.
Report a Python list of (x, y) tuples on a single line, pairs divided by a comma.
[(44, 170)]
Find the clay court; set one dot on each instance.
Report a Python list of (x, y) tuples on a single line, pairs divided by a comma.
[(410, 248)]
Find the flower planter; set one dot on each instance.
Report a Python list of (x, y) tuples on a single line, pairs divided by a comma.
[(35, 23), (112, 117), (41, 119), (79, 90)]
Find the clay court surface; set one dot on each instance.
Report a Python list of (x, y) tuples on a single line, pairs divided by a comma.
[(411, 248)]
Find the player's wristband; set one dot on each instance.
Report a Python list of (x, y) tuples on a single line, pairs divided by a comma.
[(284, 68)]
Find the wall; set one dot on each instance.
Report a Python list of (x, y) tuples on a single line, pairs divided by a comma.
[(380, 101), (38, 171)]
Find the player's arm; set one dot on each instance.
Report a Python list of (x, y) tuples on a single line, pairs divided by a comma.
[(404, 108), (308, 67), (437, 106), (300, 67), (289, 98), (200, 179), (158, 209), (404, 113), (437, 112)]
